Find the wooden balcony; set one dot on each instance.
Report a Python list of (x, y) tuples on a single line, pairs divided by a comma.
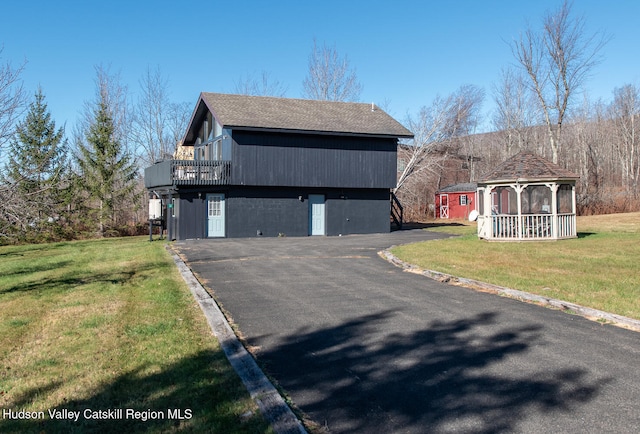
[(184, 173)]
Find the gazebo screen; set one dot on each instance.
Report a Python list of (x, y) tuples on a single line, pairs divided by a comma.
[(504, 201), (536, 199), (565, 199)]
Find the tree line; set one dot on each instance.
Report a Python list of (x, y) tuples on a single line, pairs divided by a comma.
[(53, 187)]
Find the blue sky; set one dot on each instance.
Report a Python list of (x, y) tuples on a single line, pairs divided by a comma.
[(405, 52)]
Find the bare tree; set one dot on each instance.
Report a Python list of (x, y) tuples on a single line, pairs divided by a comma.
[(588, 131), (148, 120), (433, 129), (515, 112), (625, 115), (468, 102), (157, 124), (262, 85), (13, 100), (420, 154), (558, 60), (330, 77), (178, 115)]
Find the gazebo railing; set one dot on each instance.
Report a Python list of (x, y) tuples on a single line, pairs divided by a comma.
[(532, 226), (567, 226)]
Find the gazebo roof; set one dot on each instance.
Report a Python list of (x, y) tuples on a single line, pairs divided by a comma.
[(526, 166)]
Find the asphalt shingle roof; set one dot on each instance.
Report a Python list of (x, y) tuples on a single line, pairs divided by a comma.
[(302, 115), (527, 166), (458, 188)]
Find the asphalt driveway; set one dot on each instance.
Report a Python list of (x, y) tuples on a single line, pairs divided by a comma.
[(361, 346)]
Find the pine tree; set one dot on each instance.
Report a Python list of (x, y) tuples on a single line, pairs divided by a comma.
[(35, 168), (108, 173)]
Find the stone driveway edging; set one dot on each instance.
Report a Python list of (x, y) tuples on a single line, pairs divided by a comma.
[(586, 312), (262, 391)]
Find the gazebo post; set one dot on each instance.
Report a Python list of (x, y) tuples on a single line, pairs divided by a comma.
[(554, 209), (488, 212), (519, 188)]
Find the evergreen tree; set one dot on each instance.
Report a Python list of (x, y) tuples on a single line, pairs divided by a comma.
[(108, 173), (35, 168)]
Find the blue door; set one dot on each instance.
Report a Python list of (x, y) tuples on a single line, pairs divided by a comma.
[(215, 215), (316, 214)]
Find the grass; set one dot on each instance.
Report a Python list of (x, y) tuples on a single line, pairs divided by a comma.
[(599, 269), (106, 325)]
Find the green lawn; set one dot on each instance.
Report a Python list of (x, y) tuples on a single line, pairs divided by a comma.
[(599, 269), (105, 325)]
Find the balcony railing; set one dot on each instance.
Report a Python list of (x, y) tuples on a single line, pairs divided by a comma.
[(187, 173), (531, 227)]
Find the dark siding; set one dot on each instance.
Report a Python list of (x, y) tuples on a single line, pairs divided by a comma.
[(279, 211), (191, 216), (269, 212), (358, 212), (274, 212), (305, 160)]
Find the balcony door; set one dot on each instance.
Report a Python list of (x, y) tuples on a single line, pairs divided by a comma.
[(215, 215)]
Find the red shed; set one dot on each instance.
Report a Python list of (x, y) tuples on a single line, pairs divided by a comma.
[(455, 201)]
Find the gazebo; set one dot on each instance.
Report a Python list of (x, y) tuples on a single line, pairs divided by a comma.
[(527, 198)]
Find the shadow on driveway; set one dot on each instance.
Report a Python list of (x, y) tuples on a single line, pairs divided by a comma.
[(439, 379)]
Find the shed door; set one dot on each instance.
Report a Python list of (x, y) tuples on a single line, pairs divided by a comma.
[(215, 215), (316, 214), (444, 206)]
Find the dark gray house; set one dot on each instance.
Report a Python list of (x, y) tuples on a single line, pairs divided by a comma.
[(276, 166)]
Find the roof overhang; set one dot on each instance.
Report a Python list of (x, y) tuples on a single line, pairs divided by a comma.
[(321, 133), (199, 113)]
